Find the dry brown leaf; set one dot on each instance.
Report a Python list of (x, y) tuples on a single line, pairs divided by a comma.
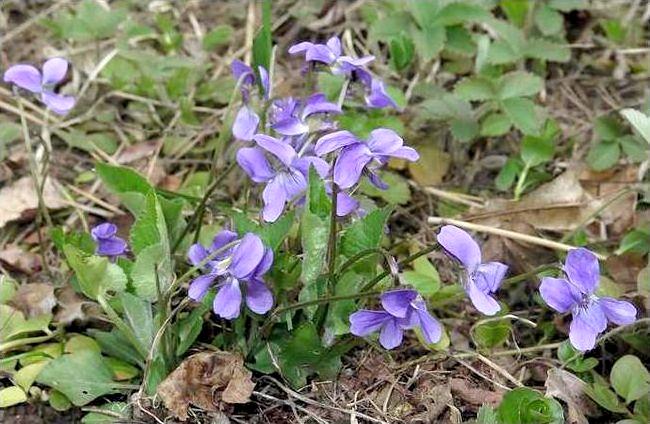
[(19, 199), (472, 394), (432, 166), (34, 299), (559, 205), (17, 259), (70, 306), (569, 388), (138, 151), (206, 380)]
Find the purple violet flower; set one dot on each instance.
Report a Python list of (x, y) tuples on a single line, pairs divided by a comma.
[(402, 310), (30, 78), (358, 155), (331, 54), (480, 279), (284, 183), (575, 293), (243, 263), (108, 243), (246, 121), (377, 96), (289, 117)]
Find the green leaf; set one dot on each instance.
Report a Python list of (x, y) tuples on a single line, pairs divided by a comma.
[(456, 13), (568, 5), (96, 275), (397, 193), (495, 124), (217, 36), (603, 155), (475, 89), (121, 369), (188, 329), (574, 359), (304, 354), (519, 84), (401, 50), (125, 182), (522, 113), (548, 20), (58, 401), (424, 277), (487, 415), (272, 234), (635, 148), (500, 52), (90, 142), (603, 396), (81, 376), (614, 30), (460, 41), (337, 322), (365, 233), (637, 241), (12, 395), (539, 48), (608, 128), (508, 174), (537, 150), (630, 378), (464, 129), (139, 316), (117, 345), (524, 405), (262, 43), (151, 272), (314, 235), (9, 132), (428, 41), (639, 121), (515, 10), (25, 377), (492, 333), (149, 228)]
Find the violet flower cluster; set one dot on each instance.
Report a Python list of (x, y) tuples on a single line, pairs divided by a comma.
[(43, 84), (301, 133)]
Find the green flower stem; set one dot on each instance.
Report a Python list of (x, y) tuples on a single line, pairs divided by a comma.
[(356, 258), (122, 326), (372, 283), (14, 344), (521, 181)]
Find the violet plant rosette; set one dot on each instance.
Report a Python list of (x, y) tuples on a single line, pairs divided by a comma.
[(403, 309), (480, 279), (43, 84), (575, 293), (233, 264)]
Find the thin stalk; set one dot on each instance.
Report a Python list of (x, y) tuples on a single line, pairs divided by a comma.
[(528, 274), (520, 182), (331, 248), (208, 192), (372, 283), (356, 258), (7, 346), (122, 326)]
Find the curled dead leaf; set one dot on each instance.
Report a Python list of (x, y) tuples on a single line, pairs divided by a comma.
[(70, 306), (34, 299), (569, 388), (17, 259), (472, 394), (19, 200), (206, 380)]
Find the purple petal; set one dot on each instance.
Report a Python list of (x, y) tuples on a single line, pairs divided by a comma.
[(196, 254), (378, 98), (54, 70), (291, 126), (558, 294), (581, 266), (265, 264), (490, 274), (294, 183), (460, 245), (620, 312), (398, 302), (391, 334), (227, 302), (302, 164), (247, 256), (431, 328), (274, 197), (113, 246), (58, 103), (24, 76), (240, 69), (264, 80), (350, 164), (345, 204), (365, 322), (259, 298), (317, 103), (481, 300), (586, 325), (277, 148), (254, 163), (245, 125), (300, 47), (407, 153), (105, 230), (333, 141), (349, 63), (376, 180), (220, 240), (320, 53), (384, 141), (200, 286), (334, 44)]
